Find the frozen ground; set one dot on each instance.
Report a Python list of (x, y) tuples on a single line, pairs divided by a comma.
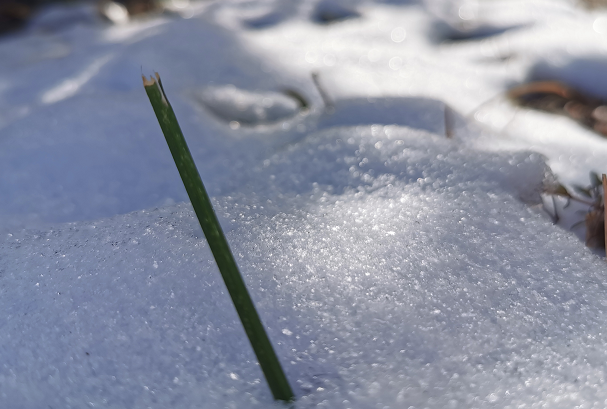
[(394, 266)]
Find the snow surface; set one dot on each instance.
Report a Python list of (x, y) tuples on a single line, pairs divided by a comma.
[(386, 216)]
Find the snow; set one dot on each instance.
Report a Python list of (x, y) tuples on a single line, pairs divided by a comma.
[(245, 107), (390, 231)]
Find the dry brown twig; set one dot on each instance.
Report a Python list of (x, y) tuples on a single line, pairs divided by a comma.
[(559, 98)]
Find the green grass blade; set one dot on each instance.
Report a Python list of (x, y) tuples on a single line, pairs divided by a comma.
[(260, 342)]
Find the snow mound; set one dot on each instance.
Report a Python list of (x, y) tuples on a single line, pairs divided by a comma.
[(370, 156), (399, 270)]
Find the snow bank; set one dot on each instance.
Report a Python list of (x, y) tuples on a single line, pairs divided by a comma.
[(391, 266)]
